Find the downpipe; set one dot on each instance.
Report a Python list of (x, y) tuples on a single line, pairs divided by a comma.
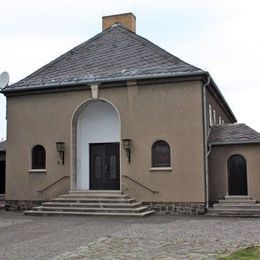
[(206, 153)]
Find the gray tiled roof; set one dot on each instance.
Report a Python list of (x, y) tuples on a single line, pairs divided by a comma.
[(2, 146), (114, 54), (232, 134)]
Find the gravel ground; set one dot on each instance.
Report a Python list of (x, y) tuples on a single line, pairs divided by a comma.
[(156, 237)]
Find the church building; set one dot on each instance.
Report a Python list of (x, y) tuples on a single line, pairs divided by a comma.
[(119, 126)]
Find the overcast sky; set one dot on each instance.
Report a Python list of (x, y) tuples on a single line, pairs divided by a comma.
[(219, 36)]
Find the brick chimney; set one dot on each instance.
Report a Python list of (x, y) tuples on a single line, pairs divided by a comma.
[(127, 20)]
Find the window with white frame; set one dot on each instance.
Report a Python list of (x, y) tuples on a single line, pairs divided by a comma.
[(214, 117), (219, 120), (38, 157), (210, 116), (161, 154)]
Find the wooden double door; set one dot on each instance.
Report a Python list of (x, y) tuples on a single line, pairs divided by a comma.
[(104, 166)]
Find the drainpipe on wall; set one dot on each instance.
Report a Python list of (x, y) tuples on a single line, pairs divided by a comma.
[(209, 151), (206, 143)]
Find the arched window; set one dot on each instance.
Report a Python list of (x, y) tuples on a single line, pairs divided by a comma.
[(38, 157), (161, 154)]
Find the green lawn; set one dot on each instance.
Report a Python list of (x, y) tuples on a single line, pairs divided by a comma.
[(250, 253)]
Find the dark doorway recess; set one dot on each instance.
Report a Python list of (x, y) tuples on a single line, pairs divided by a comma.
[(104, 166), (2, 177), (237, 175)]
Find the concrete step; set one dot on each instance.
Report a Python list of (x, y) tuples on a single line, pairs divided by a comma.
[(93, 200), (2, 201), (80, 209), (93, 205), (235, 212), (100, 192), (118, 214), (236, 206), (237, 202), (236, 209), (236, 197), (101, 203), (95, 195), (242, 215)]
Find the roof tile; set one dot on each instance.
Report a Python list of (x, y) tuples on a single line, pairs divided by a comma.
[(233, 133), (113, 54)]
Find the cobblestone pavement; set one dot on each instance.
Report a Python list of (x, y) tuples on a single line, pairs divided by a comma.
[(155, 237), (186, 238), (26, 237)]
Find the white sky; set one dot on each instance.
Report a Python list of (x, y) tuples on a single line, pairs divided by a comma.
[(220, 36)]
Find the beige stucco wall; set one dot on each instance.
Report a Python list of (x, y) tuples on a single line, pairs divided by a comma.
[(171, 111), (218, 173)]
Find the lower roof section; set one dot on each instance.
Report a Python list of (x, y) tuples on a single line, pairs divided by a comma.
[(233, 134)]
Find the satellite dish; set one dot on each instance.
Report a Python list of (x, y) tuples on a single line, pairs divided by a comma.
[(4, 79)]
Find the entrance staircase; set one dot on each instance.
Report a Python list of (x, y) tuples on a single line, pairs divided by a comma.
[(92, 203), (235, 206)]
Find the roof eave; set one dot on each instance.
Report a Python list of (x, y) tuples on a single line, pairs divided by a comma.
[(233, 143), (223, 100), (99, 81)]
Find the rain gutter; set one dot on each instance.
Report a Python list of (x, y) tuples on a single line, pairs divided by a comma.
[(234, 142), (99, 81)]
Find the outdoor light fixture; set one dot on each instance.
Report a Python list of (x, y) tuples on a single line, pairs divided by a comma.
[(60, 149), (127, 147)]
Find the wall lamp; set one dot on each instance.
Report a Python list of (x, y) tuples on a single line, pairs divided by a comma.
[(60, 146), (127, 147)]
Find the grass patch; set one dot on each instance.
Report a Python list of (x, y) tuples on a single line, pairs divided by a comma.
[(250, 253)]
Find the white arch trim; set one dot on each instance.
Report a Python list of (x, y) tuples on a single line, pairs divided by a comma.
[(83, 133)]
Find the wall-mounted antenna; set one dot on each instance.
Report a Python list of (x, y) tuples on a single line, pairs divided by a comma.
[(4, 79)]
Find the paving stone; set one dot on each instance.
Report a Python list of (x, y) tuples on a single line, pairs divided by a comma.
[(10, 222), (156, 237), (190, 238)]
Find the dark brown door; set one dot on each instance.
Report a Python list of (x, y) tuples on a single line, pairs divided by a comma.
[(104, 166), (237, 175), (2, 177)]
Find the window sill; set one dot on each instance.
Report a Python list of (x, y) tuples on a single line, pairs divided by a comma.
[(160, 169), (37, 171)]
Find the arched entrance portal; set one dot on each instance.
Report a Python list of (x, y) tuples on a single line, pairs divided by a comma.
[(237, 175), (97, 147)]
